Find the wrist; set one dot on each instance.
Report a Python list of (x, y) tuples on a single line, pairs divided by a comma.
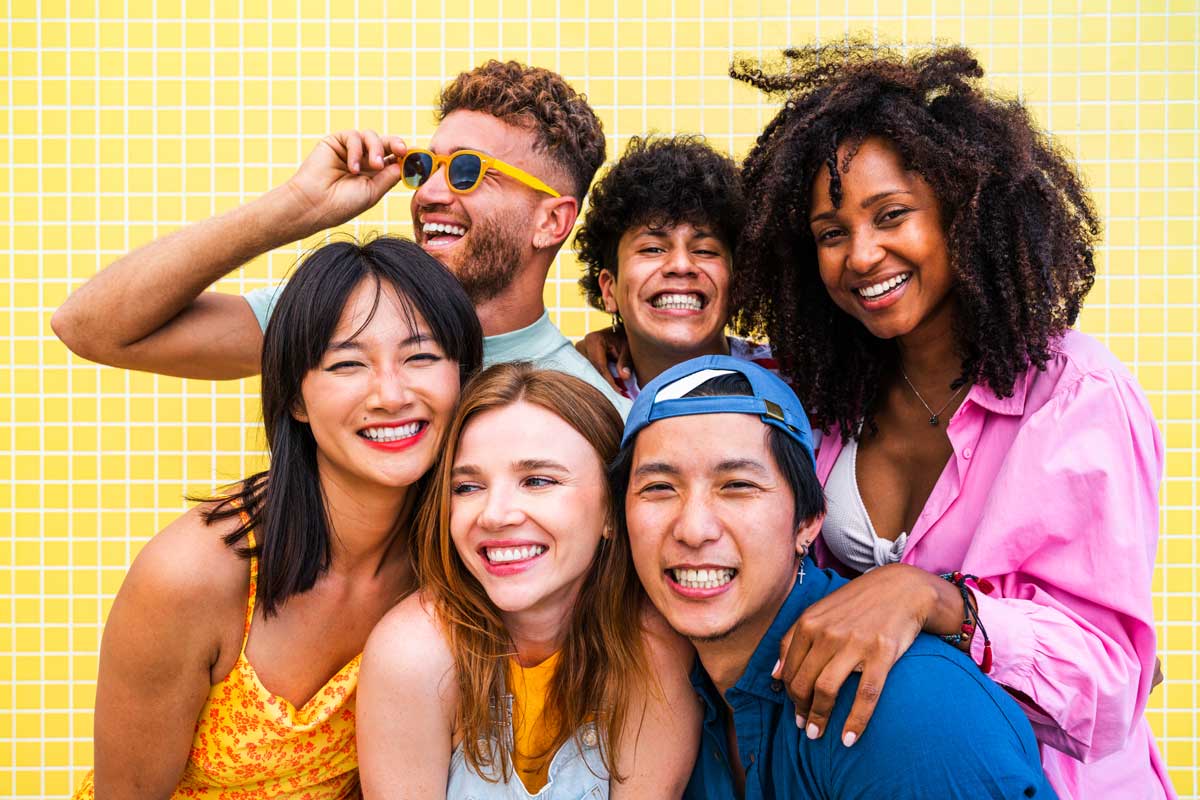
[(284, 215), (946, 607)]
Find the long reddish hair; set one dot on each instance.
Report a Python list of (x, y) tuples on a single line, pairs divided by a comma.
[(602, 657)]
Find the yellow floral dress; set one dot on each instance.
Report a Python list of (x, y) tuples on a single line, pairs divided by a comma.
[(251, 745)]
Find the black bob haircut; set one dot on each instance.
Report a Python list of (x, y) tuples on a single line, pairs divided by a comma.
[(664, 182), (284, 505), (790, 457)]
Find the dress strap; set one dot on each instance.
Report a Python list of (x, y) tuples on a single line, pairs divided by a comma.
[(253, 584)]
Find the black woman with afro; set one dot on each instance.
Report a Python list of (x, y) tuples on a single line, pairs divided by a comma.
[(917, 251), (657, 250)]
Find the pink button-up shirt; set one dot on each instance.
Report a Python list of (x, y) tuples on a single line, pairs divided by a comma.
[(1052, 494)]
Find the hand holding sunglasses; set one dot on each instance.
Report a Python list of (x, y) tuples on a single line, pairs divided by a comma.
[(347, 173)]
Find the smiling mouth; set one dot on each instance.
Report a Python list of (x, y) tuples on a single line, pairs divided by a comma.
[(678, 301), (878, 290), (702, 578), (392, 433), (440, 234), (512, 555)]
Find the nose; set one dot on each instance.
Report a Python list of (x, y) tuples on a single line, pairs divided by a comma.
[(680, 263), (697, 523), (435, 191), (500, 510), (864, 252), (389, 390)]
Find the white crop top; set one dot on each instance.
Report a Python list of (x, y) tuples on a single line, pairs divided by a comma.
[(848, 532)]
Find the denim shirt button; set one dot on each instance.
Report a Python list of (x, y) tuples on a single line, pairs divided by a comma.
[(777, 686), (589, 737)]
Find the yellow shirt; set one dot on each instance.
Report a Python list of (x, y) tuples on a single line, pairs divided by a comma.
[(533, 733), (250, 744)]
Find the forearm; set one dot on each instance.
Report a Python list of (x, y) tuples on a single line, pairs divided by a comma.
[(144, 290)]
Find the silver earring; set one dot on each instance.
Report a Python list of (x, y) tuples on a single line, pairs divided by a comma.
[(803, 556), (617, 322)]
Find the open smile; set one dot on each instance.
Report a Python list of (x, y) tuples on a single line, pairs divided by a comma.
[(510, 558), (394, 436), (441, 234), (679, 302), (700, 582)]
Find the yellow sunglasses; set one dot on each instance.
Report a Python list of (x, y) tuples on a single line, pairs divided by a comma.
[(464, 170)]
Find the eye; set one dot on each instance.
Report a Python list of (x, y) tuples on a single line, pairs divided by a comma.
[(343, 365), (538, 482), (893, 214), (423, 358), (651, 249), (659, 487), (464, 488), (828, 235), (740, 486)]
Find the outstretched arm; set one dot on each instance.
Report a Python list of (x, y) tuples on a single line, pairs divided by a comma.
[(149, 310)]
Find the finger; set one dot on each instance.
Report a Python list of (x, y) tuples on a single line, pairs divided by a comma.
[(374, 147), (866, 698), (825, 693), (395, 148), (625, 359), (385, 179), (800, 668), (354, 151)]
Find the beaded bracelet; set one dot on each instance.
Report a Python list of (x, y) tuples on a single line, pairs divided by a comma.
[(971, 620)]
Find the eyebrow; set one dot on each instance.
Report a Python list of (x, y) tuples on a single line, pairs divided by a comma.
[(524, 465), (870, 201), (656, 467), (735, 464), (352, 344)]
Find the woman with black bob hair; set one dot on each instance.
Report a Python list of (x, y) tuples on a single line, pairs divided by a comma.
[(917, 252), (230, 659)]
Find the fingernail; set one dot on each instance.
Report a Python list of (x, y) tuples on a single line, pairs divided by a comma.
[(775, 670), (850, 738), (354, 166), (812, 730), (800, 722)]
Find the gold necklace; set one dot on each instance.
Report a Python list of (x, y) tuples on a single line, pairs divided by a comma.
[(933, 415)]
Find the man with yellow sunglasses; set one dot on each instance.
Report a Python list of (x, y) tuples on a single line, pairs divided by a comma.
[(494, 197)]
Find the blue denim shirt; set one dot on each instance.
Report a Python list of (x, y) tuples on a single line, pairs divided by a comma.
[(941, 729)]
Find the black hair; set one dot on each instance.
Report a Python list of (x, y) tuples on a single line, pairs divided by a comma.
[(1020, 228), (793, 461), (284, 505), (658, 182)]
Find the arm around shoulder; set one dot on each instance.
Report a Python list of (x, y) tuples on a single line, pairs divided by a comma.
[(173, 618), (407, 702)]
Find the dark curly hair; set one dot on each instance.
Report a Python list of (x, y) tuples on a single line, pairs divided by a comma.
[(567, 128), (659, 181), (1020, 228)]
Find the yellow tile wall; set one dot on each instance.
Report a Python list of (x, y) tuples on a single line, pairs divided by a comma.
[(123, 119)]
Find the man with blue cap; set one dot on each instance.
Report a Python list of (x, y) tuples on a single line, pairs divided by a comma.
[(721, 504)]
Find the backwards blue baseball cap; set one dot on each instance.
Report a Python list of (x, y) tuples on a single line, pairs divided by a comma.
[(770, 399)]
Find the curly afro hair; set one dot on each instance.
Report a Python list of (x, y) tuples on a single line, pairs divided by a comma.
[(661, 182), (567, 128), (1020, 228)]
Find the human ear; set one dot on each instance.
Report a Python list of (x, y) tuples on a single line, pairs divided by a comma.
[(807, 532), (608, 288), (556, 217), (299, 413)]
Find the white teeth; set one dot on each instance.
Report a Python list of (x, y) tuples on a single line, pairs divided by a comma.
[(392, 433), (690, 302), (884, 286), (503, 555), (441, 227), (703, 578)]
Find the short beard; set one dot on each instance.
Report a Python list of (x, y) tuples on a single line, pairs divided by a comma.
[(490, 261), (712, 637)]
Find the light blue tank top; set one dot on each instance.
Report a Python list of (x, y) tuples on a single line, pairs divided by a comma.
[(576, 772)]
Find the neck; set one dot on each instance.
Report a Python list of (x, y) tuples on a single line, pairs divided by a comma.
[(725, 659), (363, 530), (520, 304), (538, 632), (928, 356), (651, 360)]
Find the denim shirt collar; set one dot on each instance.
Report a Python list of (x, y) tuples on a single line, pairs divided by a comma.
[(757, 680)]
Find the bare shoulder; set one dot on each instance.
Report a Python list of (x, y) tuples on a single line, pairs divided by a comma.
[(410, 640), (661, 641), (188, 563)]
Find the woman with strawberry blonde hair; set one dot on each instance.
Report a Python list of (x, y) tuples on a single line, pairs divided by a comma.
[(525, 665)]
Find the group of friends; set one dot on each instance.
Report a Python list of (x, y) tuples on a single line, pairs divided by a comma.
[(903, 551)]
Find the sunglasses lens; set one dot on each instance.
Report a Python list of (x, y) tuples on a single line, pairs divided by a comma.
[(417, 169), (464, 171)]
